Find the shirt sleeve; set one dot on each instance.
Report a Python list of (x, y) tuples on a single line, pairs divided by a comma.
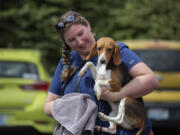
[(55, 86), (129, 58)]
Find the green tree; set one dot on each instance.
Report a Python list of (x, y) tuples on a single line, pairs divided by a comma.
[(30, 23)]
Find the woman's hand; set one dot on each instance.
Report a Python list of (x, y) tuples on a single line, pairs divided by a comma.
[(49, 103), (107, 95)]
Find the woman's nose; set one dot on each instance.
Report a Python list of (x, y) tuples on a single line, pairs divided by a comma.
[(79, 41)]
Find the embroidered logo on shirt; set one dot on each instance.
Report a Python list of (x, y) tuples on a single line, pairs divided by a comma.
[(132, 61)]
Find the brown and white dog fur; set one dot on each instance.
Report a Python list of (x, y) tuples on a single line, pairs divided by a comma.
[(128, 112)]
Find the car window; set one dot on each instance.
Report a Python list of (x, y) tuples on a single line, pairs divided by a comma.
[(161, 60), (18, 70)]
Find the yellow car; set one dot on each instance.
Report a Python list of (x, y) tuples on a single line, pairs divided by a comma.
[(163, 57), (24, 83)]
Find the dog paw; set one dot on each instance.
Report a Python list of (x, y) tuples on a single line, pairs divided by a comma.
[(98, 94), (98, 97), (81, 73), (101, 116)]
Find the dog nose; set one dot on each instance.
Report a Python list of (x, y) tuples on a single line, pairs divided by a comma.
[(102, 61)]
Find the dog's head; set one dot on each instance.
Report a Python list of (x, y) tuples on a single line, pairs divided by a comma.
[(106, 49)]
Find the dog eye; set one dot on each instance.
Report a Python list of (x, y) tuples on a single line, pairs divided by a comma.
[(99, 48), (109, 49)]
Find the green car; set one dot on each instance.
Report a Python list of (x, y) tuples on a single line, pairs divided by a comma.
[(24, 84)]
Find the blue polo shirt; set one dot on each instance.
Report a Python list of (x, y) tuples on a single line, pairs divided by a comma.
[(86, 85)]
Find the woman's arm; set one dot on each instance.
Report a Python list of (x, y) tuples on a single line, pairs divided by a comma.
[(144, 81), (49, 103)]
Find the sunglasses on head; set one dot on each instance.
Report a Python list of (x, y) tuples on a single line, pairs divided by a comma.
[(68, 19)]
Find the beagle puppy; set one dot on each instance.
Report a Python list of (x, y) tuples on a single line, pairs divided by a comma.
[(128, 113)]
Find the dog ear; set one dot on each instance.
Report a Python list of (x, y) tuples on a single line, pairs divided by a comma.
[(93, 51), (117, 55)]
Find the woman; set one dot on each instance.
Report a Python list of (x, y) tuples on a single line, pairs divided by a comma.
[(75, 32)]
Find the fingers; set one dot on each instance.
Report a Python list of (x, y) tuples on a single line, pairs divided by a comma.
[(97, 128), (105, 94)]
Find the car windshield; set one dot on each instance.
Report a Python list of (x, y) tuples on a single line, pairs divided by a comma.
[(18, 70), (161, 60)]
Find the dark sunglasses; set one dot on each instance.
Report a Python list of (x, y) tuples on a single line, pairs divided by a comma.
[(68, 19)]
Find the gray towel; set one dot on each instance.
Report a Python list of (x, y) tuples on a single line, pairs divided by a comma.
[(75, 113)]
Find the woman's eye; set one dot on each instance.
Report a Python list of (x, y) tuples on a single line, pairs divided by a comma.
[(71, 40), (80, 33)]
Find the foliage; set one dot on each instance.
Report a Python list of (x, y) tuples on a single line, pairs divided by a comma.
[(30, 24)]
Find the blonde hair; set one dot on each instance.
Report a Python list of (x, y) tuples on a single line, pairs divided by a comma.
[(78, 19)]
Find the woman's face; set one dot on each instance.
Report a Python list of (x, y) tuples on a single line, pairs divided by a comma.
[(80, 39)]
